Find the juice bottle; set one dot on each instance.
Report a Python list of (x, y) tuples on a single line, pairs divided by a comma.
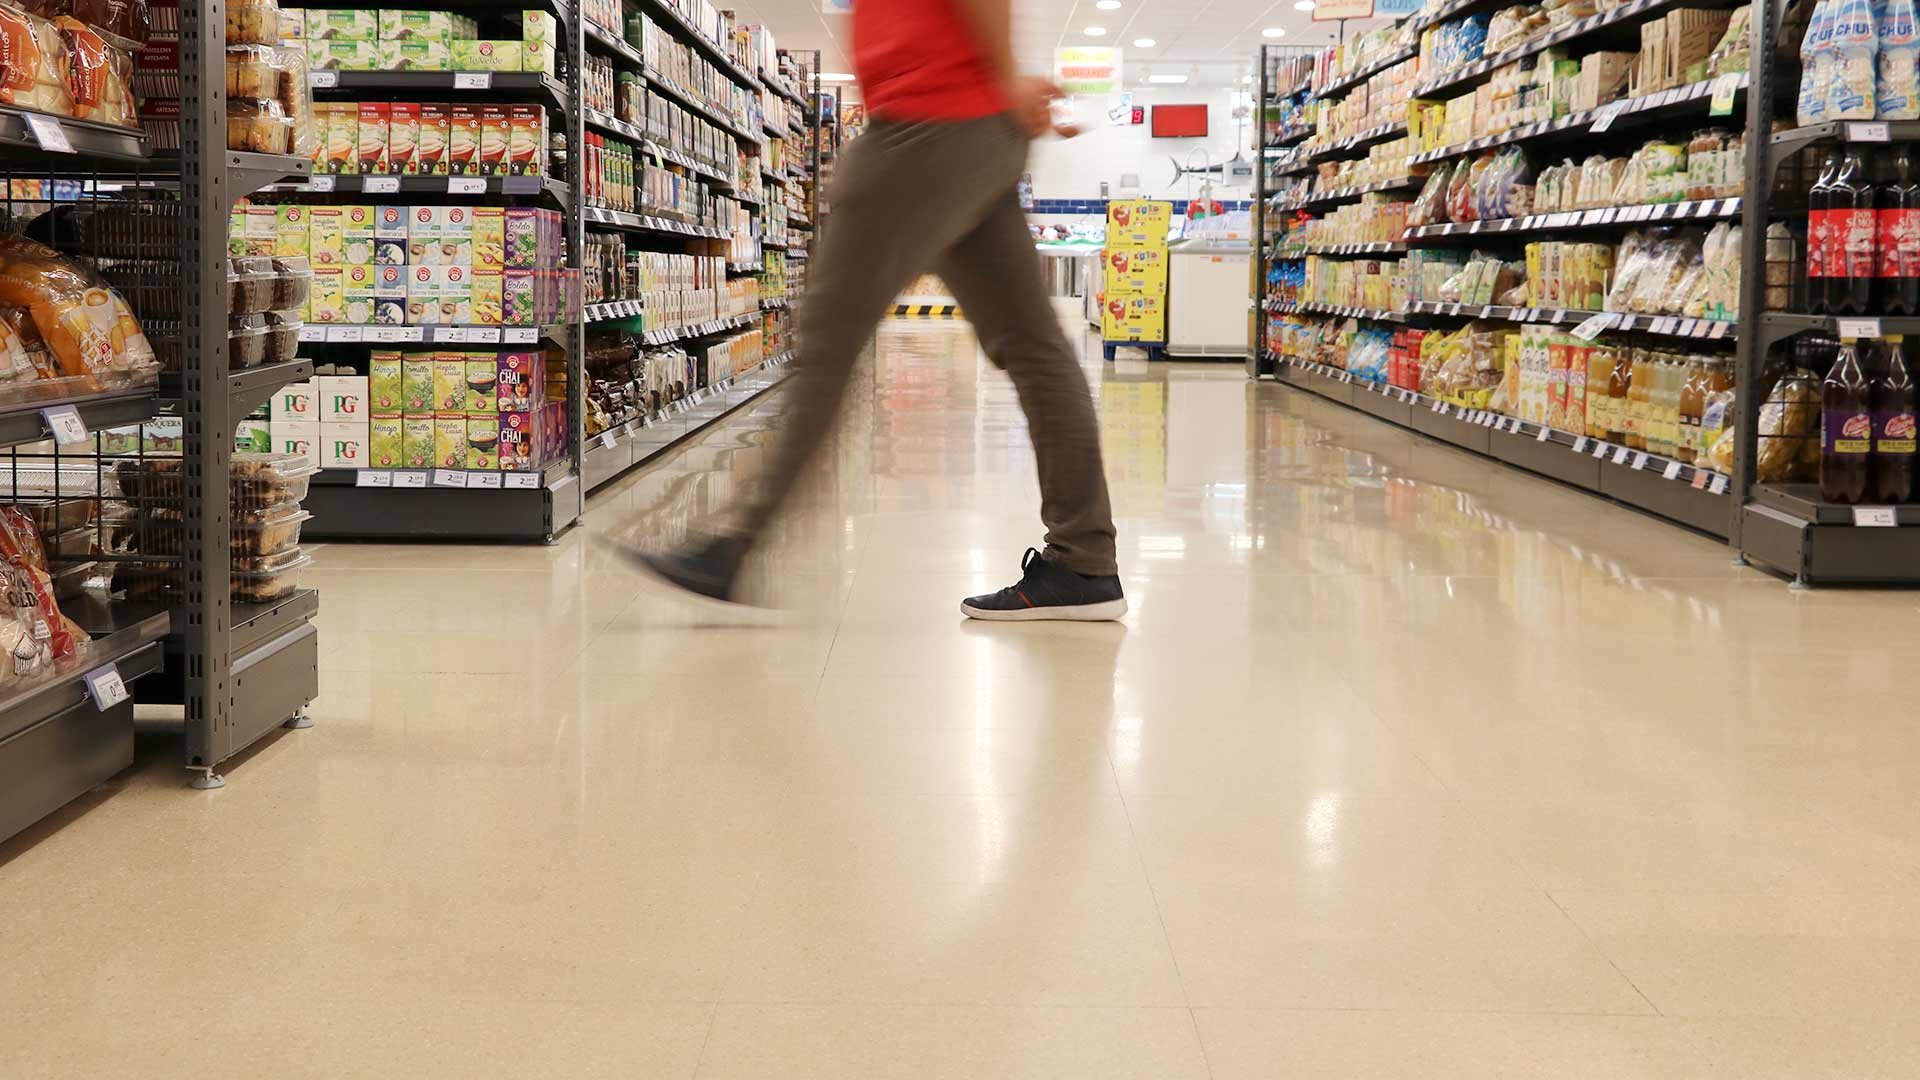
[(1890, 472), (1599, 404), (1846, 428), (1619, 388), (1717, 412), (1639, 400), (1821, 263), (1693, 401)]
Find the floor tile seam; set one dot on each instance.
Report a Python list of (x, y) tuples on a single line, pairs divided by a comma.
[(1153, 891), (930, 1004), (1600, 951), (706, 1040)]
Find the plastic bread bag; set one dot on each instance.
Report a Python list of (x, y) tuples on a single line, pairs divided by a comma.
[(32, 64), (88, 326), (1598, 178), (1851, 95), (124, 24), (1731, 53), (1898, 84), (99, 76), (1631, 262), (29, 592), (253, 22), (1460, 193), (1689, 297), (1430, 207), (296, 98)]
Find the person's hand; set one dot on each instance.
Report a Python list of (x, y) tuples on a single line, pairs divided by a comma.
[(1033, 99)]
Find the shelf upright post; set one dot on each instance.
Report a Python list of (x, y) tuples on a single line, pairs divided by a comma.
[(1755, 206), (576, 220), (817, 107), (205, 614), (1256, 349)]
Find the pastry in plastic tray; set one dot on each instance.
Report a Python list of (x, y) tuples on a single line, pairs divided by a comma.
[(250, 285), (283, 335), (57, 515), (246, 341), (269, 530), (253, 71), (258, 125), (263, 480), (253, 22), (292, 278), (268, 578)]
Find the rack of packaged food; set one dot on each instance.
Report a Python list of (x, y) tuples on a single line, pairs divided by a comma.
[(1827, 447)]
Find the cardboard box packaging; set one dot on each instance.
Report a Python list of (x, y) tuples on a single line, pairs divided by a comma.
[(539, 39), (450, 442), (416, 441), (293, 24), (337, 126), (342, 24), (522, 380), (327, 236), (373, 138), (385, 388), (435, 131), (463, 140), (483, 442), (343, 398), (456, 293), (483, 381), (294, 403), (327, 296), (291, 236), (343, 55), (343, 445), (416, 385), (358, 282), (403, 138), (357, 230), (471, 55), (423, 296), (1142, 222), (519, 444), (421, 26), (1136, 270), (263, 229), (253, 436), (450, 383), (522, 237), (1134, 318), (489, 300), (292, 437), (496, 128), (386, 442), (527, 142), (489, 237), (518, 303)]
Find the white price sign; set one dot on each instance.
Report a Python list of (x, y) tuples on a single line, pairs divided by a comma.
[(346, 333), (483, 335), (391, 334), (320, 183), (1639, 461), (1603, 117), (1579, 444), (1874, 517), (64, 424), (380, 185), (1718, 485), (1876, 132), (1594, 326), (309, 332), (1600, 451), (457, 334), (466, 185), (373, 478), (520, 335), (1857, 328), (323, 80), (473, 80), (606, 439), (518, 480), (410, 478), (483, 480), (1544, 434), (449, 478), (105, 687), (1672, 471)]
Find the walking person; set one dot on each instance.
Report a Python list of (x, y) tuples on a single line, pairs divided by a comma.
[(932, 185)]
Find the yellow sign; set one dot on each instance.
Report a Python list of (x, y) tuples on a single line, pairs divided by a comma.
[(1328, 10), (1087, 69)]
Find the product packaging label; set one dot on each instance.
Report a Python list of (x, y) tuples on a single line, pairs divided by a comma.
[(1846, 432)]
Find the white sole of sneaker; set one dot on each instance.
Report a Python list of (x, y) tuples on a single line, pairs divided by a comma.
[(1105, 611)]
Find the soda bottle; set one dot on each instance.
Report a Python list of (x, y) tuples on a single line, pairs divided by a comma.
[(1820, 218), (1851, 235), (1890, 473), (1898, 240), (1846, 428)]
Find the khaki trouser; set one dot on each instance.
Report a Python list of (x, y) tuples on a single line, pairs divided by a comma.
[(942, 196)]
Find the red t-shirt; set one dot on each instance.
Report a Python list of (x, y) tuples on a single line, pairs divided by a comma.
[(920, 60)]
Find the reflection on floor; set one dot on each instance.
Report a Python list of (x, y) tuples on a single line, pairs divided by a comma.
[(1404, 765)]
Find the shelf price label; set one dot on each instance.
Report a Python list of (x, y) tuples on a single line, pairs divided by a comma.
[(455, 334), (64, 424), (105, 687), (1724, 88), (319, 183), (346, 333), (473, 80), (1717, 485), (466, 185), (1857, 328), (379, 185), (1672, 471), (392, 334), (1700, 478), (1593, 326), (520, 335), (48, 133), (1874, 517), (1603, 117), (483, 335), (1580, 445), (521, 480), (410, 478), (453, 478), (1639, 461), (606, 439), (310, 332), (373, 478), (483, 480), (1874, 132), (323, 80), (1543, 435)]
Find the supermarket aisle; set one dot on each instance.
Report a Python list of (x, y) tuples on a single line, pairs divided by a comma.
[(1405, 765)]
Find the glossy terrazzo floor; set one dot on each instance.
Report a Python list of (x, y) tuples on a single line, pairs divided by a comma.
[(1404, 765)]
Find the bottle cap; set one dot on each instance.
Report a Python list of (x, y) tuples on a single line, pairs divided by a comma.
[(1894, 339)]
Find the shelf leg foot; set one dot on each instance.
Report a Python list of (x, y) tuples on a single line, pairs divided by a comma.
[(1741, 559), (299, 721), (208, 780), (1798, 584)]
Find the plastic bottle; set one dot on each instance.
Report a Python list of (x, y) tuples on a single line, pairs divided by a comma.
[(1639, 400), (1856, 49), (1890, 472), (1846, 428), (1816, 64), (1820, 237), (1897, 240), (1898, 88), (1619, 387), (1693, 402), (1850, 230)]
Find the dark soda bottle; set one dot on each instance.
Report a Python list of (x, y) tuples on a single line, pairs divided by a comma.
[(1851, 230), (1890, 472), (1898, 241), (1820, 236), (1846, 428)]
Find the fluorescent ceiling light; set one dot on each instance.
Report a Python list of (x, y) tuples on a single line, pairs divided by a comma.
[(835, 76), (1166, 79), (1108, 5), (1303, 5), (1096, 31), (1274, 31), (1144, 43)]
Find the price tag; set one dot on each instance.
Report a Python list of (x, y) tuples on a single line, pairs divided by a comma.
[(1700, 478), (520, 335), (1874, 517), (627, 428), (380, 185), (1559, 316), (1719, 330), (1594, 326), (1609, 216), (310, 332), (1544, 434), (1579, 444), (1639, 461), (1620, 455), (105, 687), (466, 185), (456, 334), (606, 439), (1445, 409), (373, 478), (410, 478), (483, 335), (1724, 88), (1876, 132), (64, 424), (1600, 451), (1718, 485), (319, 183), (473, 80), (323, 80), (346, 333), (518, 480), (392, 334), (483, 480), (1857, 328), (1671, 472), (1662, 325), (456, 478), (1453, 309), (1603, 116)]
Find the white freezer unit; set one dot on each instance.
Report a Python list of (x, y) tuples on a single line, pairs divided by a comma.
[(1209, 293)]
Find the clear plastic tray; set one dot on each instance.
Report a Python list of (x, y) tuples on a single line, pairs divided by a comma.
[(269, 578), (264, 480), (272, 530)]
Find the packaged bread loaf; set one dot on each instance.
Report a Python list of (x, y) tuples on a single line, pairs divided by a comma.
[(86, 324), (125, 24), (32, 64), (253, 22), (99, 76), (258, 125)]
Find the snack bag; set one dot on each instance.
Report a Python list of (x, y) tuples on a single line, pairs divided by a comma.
[(1897, 89), (1816, 64), (1856, 45), (98, 76)]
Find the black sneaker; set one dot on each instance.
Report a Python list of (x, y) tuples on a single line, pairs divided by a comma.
[(1047, 591), (706, 571)]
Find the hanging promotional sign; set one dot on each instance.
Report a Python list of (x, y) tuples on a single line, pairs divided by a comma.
[(1087, 69), (1394, 9), (1330, 10)]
